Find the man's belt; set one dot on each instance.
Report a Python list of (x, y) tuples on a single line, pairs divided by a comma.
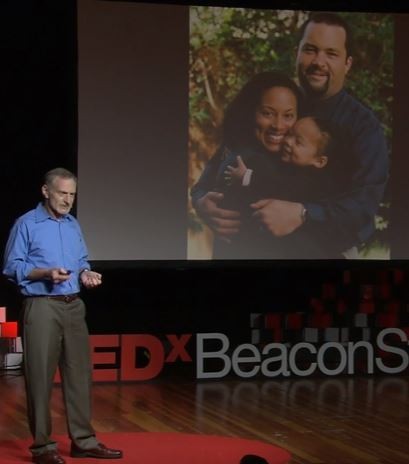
[(64, 298)]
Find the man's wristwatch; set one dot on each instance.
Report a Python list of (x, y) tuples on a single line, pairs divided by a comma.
[(304, 213)]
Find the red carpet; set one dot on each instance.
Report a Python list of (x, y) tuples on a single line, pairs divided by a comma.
[(159, 448)]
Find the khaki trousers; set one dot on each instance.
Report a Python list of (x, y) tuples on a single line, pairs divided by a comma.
[(55, 334)]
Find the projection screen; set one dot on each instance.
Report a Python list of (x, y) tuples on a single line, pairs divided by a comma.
[(155, 82)]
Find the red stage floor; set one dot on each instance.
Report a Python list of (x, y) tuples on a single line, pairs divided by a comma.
[(160, 448)]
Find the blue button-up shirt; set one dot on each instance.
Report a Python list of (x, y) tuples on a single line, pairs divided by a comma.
[(37, 240)]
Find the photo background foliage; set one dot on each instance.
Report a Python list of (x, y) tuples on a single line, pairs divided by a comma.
[(229, 45)]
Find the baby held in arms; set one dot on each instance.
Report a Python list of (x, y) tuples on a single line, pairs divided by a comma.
[(306, 145)]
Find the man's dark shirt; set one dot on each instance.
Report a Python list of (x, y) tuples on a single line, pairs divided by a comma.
[(360, 167)]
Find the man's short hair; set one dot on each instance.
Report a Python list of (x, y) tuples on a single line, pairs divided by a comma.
[(332, 19), (58, 172)]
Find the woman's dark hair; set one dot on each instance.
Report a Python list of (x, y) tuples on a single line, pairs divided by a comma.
[(238, 125)]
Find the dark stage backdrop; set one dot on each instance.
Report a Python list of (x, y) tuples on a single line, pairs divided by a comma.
[(38, 85)]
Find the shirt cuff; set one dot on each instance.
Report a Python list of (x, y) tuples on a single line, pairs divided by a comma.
[(247, 177), (315, 212)]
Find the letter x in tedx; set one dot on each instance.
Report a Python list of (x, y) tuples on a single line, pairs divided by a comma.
[(179, 348)]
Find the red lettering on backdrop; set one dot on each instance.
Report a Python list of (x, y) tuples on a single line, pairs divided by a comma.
[(154, 355), (179, 349), (106, 357), (154, 352)]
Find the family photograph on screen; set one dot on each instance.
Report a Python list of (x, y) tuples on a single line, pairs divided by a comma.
[(290, 131)]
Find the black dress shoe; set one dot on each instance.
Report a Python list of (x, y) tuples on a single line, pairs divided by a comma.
[(99, 452), (252, 459), (49, 457)]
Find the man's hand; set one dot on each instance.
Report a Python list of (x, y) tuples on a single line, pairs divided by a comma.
[(58, 275), (279, 217), (223, 222), (90, 279)]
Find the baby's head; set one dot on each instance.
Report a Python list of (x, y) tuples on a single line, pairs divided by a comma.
[(307, 143)]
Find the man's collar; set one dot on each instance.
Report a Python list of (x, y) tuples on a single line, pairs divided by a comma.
[(325, 101), (41, 214), (316, 106)]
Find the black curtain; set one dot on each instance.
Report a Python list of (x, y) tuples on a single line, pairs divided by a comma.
[(38, 89)]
